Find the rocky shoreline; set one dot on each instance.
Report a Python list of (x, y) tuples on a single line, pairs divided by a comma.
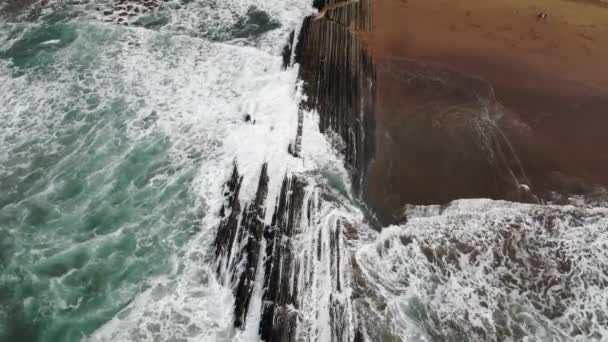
[(305, 262), (417, 124), (339, 79)]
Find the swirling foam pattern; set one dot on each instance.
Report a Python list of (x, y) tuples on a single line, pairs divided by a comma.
[(116, 137), (114, 141)]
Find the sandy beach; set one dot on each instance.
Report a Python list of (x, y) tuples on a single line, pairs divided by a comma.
[(488, 99)]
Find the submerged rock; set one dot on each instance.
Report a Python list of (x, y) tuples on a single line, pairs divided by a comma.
[(254, 23)]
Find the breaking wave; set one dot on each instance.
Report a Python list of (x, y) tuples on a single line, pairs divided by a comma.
[(133, 132)]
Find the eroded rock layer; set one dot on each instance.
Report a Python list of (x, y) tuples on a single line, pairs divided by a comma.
[(304, 287), (301, 247), (338, 76)]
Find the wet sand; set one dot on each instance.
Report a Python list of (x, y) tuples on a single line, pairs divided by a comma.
[(488, 99)]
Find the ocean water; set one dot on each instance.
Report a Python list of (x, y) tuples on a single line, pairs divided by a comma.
[(483, 270), (115, 143)]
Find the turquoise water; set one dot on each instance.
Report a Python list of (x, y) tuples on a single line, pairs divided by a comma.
[(92, 203), (115, 142)]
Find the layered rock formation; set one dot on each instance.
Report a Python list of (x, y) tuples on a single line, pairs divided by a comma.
[(302, 281), (305, 287), (425, 122), (338, 76)]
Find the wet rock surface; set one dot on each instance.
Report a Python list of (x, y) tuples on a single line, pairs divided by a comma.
[(426, 132), (338, 76), (279, 312), (254, 23), (302, 258), (298, 243), (238, 241)]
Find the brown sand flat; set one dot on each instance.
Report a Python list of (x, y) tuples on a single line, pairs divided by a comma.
[(475, 98), (499, 38)]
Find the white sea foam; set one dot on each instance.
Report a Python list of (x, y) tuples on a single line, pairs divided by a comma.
[(491, 270), (199, 93), (196, 93), (51, 42)]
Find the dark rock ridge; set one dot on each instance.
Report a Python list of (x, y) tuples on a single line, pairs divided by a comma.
[(302, 259), (238, 240), (338, 76), (278, 320), (254, 23)]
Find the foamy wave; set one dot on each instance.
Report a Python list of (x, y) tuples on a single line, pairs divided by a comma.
[(198, 93), (492, 271)]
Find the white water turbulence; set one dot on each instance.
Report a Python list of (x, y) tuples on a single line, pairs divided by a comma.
[(191, 93), (482, 270), (117, 141), (150, 192), (205, 90)]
